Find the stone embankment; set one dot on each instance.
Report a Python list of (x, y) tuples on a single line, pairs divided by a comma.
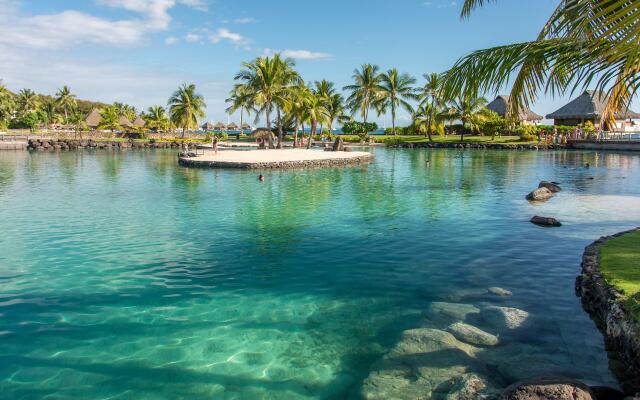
[(605, 305), (486, 146), (73, 144)]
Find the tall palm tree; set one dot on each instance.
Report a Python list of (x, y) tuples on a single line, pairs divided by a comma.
[(295, 107), (364, 90), (583, 43), (157, 119), (315, 111), (325, 89), (393, 91), (267, 79), (240, 98), (66, 101), (7, 103), (431, 100), (28, 101), (335, 110), (186, 106), (468, 110)]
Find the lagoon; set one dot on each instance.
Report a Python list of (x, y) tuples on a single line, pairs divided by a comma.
[(126, 276)]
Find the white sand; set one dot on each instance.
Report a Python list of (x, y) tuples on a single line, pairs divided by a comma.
[(285, 155)]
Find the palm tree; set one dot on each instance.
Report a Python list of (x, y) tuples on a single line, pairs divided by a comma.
[(66, 101), (335, 109), (157, 118), (295, 107), (584, 42), (110, 118), (186, 106), (325, 89), (393, 91), (49, 112), (267, 80), (240, 98), (429, 118), (28, 101), (315, 112), (7, 104), (364, 90), (468, 110), (431, 100)]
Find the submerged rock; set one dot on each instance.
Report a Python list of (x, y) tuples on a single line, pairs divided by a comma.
[(548, 388), (498, 291), (468, 387), (540, 194), (504, 317), (472, 335), (552, 186), (456, 311), (545, 221)]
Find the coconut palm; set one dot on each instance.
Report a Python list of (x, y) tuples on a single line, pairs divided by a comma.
[(429, 118), (393, 91), (240, 98), (157, 119), (7, 103), (186, 106), (110, 118), (49, 112), (335, 110), (27, 101), (295, 107), (325, 89), (468, 110), (431, 101), (583, 43), (66, 101), (364, 90), (267, 80), (315, 112)]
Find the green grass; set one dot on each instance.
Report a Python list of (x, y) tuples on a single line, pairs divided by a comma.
[(620, 267)]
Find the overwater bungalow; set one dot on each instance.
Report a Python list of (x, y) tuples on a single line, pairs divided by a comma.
[(208, 126), (589, 106), (500, 105), (246, 127), (233, 126), (219, 126)]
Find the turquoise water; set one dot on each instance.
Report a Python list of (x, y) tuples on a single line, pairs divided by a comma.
[(125, 276)]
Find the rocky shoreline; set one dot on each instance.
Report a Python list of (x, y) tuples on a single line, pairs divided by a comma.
[(73, 144), (484, 146), (332, 162), (604, 305)]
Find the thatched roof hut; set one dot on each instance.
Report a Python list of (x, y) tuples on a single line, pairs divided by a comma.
[(139, 122), (219, 126), (124, 122), (501, 104), (208, 126), (233, 126), (261, 133), (94, 118), (246, 127), (589, 106)]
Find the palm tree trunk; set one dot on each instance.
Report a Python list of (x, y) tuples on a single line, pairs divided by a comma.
[(280, 135), (393, 120), (314, 125), (241, 128), (270, 138)]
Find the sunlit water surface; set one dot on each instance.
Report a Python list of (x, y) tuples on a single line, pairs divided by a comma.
[(126, 276)]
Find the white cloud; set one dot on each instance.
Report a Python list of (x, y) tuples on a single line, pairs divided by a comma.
[(192, 37), (171, 40), (225, 34), (299, 54)]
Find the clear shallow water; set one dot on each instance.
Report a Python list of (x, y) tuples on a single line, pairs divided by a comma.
[(125, 276)]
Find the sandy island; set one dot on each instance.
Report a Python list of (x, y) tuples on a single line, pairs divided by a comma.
[(286, 158)]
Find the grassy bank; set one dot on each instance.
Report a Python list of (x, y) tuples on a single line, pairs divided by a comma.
[(620, 266)]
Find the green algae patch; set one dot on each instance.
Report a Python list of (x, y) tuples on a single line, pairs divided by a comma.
[(620, 266)]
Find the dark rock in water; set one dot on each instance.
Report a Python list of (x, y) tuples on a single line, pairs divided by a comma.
[(545, 221), (338, 145), (548, 388), (540, 194), (553, 187), (607, 393)]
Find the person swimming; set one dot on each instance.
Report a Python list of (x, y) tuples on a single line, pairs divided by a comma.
[(261, 178)]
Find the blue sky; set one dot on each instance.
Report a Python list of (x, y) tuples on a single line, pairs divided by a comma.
[(139, 51)]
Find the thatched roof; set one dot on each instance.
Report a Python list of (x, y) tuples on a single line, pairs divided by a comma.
[(124, 122), (233, 126), (94, 118), (208, 126), (590, 104), (219, 125), (139, 122), (500, 104), (261, 133), (246, 126)]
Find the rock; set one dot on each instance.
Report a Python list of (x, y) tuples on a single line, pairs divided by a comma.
[(547, 388), (540, 194), (552, 186), (545, 221), (456, 311), (472, 335), (504, 317), (499, 291), (461, 294), (468, 387), (338, 145)]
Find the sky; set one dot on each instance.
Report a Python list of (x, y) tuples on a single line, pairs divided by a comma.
[(139, 51)]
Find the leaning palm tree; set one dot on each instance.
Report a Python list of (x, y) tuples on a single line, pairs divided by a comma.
[(66, 101), (431, 101), (186, 106), (584, 43), (468, 110), (28, 101), (240, 98), (364, 90), (393, 91)]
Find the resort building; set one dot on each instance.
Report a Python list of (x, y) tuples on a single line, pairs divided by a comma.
[(139, 122), (93, 119), (207, 126), (589, 106), (500, 105)]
